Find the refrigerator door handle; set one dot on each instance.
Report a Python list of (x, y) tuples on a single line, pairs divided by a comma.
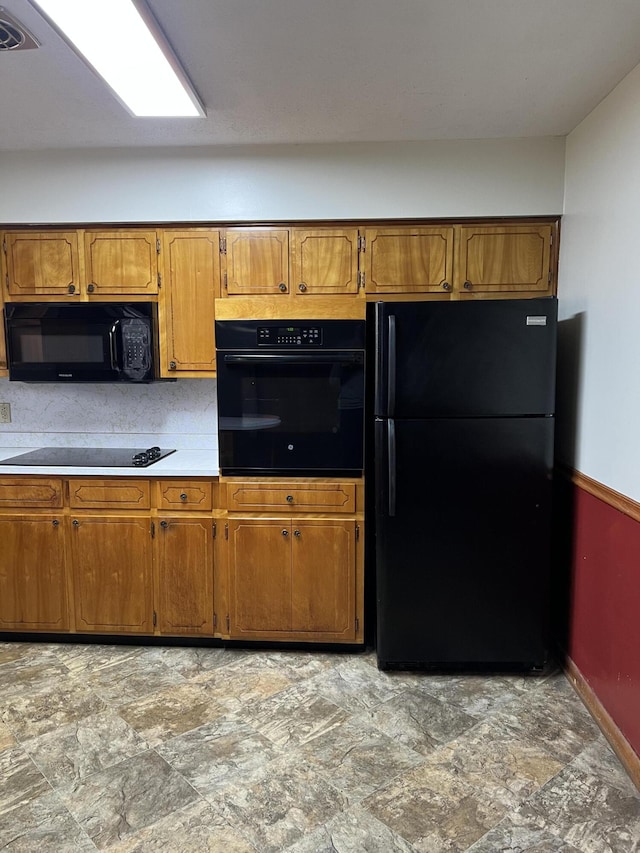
[(391, 367), (391, 456)]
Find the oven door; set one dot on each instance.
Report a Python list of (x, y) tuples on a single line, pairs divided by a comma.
[(291, 413)]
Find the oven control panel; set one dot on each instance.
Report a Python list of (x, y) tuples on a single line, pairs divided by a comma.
[(289, 336)]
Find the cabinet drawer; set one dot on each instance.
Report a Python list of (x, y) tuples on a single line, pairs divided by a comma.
[(32, 492), (115, 494), (189, 495), (295, 497)]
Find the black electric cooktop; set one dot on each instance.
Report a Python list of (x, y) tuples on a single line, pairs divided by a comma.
[(90, 457)]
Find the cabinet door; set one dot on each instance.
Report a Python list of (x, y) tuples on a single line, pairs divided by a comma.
[(191, 283), (33, 580), (257, 261), (408, 260), (111, 558), (324, 261), (121, 262), (184, 555), (504, 258), (42, 263), (259, 577), (323, 579)]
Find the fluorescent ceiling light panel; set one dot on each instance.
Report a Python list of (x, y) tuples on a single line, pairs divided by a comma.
[(114, 37)]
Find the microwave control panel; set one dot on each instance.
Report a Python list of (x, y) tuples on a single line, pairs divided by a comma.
[(136, 348), (293, 336)]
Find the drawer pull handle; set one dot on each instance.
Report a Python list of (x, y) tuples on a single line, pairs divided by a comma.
[(71, 288), (183, 496), (289, 499), (282, 287), (467, 285), (91, 288), (55, 522), (75, 522), (285, 532), (302, 287), (446, 285), (164, 524), (297, 533)]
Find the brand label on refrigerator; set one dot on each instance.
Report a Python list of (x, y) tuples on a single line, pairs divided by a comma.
[(536, 320)]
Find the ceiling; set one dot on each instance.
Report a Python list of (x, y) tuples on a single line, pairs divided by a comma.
[(314, 71)]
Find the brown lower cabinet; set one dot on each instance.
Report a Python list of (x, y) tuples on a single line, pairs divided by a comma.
[(184, 565), (33, 573), (292, 577), (134, 556), (112, 574), (93, 555)]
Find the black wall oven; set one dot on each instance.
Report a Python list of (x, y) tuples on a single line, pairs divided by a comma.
[(291, 397)]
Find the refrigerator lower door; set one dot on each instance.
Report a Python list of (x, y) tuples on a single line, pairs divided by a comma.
[(463, 542)]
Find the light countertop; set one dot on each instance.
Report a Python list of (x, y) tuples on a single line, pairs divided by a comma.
[(182, 463)]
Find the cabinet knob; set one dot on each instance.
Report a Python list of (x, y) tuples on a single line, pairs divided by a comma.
[(282, 287), (297, 533), (72, 288), (172, 365), (183, 496), (467, 285), (289, 499), (91, 288), (55, 522), (164, 524), (302, 287), (75, 522), (285, 532), (446, 285)]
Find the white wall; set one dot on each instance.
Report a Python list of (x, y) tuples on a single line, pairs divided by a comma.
[(599, 292), (434, 179)]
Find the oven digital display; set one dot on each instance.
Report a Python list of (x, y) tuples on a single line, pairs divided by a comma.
[(295, 336)]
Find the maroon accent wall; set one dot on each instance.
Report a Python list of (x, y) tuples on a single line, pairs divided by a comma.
[(604, 609)]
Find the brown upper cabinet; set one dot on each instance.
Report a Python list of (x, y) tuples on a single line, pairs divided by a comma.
[(119, 261), (407, 259), (257, 261), (191, 283), (80, 264), (504, 258), (42, 264), (324, 261)]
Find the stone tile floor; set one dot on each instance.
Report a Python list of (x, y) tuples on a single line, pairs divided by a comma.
[(128, 749)]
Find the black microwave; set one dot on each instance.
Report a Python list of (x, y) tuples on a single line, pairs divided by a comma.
[(82, 342)]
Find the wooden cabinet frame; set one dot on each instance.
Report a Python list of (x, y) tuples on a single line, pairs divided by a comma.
[(82, 264), (124, 555), (294, 560)]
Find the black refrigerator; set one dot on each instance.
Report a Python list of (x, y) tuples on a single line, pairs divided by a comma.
[(461, 428)]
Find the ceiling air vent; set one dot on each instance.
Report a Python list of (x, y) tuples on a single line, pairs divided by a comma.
[(13, 36)]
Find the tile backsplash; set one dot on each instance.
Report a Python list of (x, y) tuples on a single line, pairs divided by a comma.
[(181, 414)]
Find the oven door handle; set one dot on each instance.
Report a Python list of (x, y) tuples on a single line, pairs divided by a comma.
[(320, 358)]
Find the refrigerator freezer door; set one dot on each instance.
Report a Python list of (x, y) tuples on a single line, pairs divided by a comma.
[(457, 359), (462, 541)]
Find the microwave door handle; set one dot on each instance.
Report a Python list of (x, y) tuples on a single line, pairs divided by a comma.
[(113, 349)]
